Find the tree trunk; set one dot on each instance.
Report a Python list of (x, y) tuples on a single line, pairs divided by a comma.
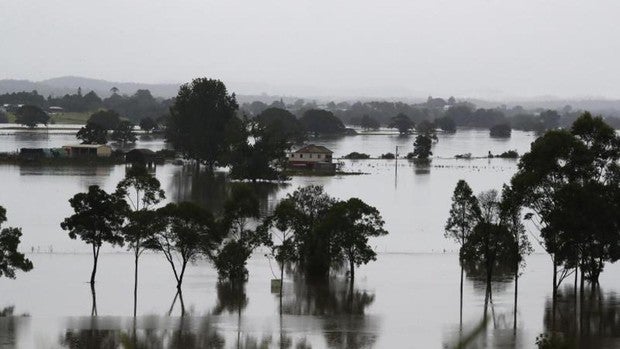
[(95, 259), (93, 311), (135, 284), (461, 302), (554, 294), (281, 285), (514, 321)]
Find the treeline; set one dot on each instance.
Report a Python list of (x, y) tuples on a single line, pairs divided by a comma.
[(134, 107), (446, 114)]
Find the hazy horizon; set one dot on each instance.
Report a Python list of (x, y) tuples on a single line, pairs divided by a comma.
[(395, 49)]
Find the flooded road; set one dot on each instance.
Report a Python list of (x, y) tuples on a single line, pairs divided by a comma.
[(408, 298)]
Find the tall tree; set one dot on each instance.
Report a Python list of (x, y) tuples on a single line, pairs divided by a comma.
[(351, 224), (240, 239), (97, 220), (11, 260), (31, 116), (106, 119), (402, 123), (188, 232), (510, 216), (322, 122), (464, 215), (203, 122), (422, 146), (142, 191)]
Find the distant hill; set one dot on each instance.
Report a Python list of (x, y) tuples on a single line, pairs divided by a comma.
[(69, 84)]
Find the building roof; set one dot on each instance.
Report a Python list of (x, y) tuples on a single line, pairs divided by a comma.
[(147, 152), (311, 148), (84, 146)]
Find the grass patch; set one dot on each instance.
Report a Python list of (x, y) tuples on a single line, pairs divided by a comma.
[(70, 118)]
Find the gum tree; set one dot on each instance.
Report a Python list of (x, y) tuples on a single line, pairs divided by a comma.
[(11, 260)]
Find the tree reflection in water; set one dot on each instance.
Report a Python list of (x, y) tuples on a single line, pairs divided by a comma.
[(184, 332), (9, 326), (211, 190), (340, 306), (590, 321)]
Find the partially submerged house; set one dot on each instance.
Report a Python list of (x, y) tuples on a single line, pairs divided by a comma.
[(87, 150), (313, 157)]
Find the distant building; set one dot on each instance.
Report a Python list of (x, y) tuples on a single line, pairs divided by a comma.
[(85, 150), (55, 109), (312, 156)]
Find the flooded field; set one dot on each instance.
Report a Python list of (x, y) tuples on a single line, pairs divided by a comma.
[(409, 296)]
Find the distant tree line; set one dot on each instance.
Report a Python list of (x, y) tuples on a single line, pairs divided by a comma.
[(134, 107)]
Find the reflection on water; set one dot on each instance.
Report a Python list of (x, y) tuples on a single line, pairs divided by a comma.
[(588, 320), (10, 325), (148, 332), (211, 190)]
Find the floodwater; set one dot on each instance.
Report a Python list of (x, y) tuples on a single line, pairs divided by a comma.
[(408, 298)]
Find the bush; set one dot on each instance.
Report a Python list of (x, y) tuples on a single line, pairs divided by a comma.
[(410, 156), (357, 156), (388, 156), (511, 154)]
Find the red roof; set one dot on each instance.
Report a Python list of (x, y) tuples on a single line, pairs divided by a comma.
[(314, 149)]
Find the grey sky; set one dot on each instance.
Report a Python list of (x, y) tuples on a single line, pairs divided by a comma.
[(389, 48)]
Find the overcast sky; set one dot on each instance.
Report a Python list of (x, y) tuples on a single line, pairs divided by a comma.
[(380, 48)]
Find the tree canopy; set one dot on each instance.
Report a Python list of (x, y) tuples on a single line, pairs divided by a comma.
[(11, 260), (92, 133), (31, 116), (402, 123), (318, 122), (203, 122)]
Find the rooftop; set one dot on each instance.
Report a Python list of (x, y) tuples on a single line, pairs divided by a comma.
[(311, 148)]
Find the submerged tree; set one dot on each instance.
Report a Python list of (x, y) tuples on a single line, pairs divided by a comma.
[(240, 239), (123, 133), (92, 133), (97, 220), (187, 233), (142, 191), (351, 223), (464, 215), (31, 116), (422, 146), (490, 245), (402, 123), (11, 260), (203, 122)]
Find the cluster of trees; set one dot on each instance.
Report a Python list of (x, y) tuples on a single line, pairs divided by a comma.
[(134, 107), (309, 229), (101, 123), (569, 185), (204, 126)]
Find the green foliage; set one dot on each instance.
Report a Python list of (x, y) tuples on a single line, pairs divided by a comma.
[(140, 188), (464, 213), (282, 123), (357, 156), (241, 240), (105, 119), (350, 224), (124, 133), (148, 124), (388, 156), (369, 123), (510, 154), (500, 131), (427, 128), (203, 123), (322, 122), (31, 116), (11, 260), (446, 124), (402, 123), (422, 146), (260, 152), (563, 171), (188, 231), (92, 134), (97, 220)]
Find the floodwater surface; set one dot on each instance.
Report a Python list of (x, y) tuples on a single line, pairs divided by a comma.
[(408, 298)]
